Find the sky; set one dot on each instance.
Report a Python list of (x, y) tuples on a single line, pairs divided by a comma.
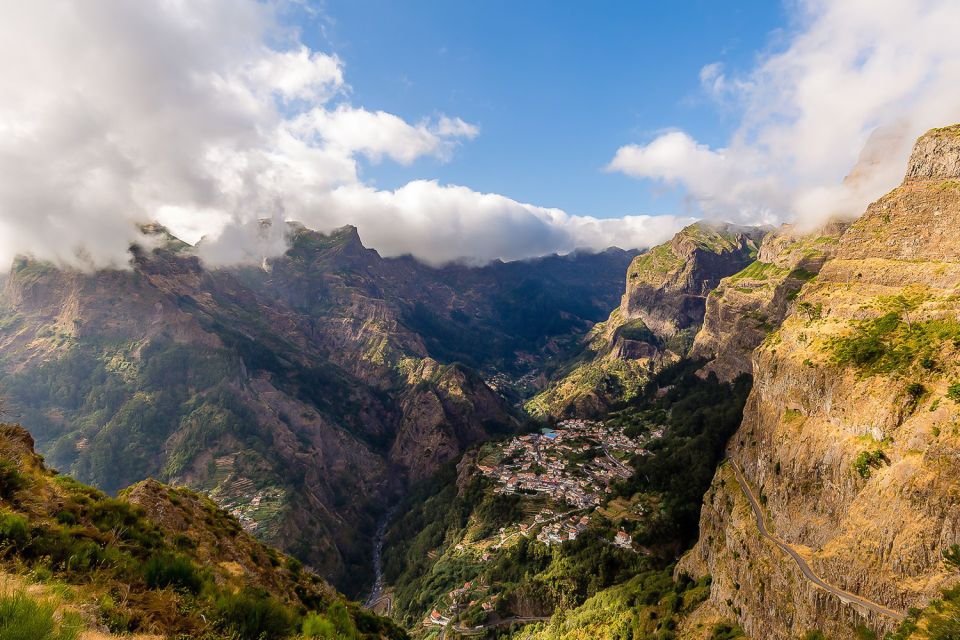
[(554, 87), (453, 130)]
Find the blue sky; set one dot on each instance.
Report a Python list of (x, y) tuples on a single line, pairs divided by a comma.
[(555, 87)]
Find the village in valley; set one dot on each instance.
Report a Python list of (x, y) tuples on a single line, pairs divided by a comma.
[(575, 463), (565, 474)]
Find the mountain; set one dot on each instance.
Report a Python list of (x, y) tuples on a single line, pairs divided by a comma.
[(154, 560), (302, 396), (838, 508), (660, 313)]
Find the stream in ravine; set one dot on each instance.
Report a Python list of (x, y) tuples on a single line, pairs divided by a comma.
[(378, 583)]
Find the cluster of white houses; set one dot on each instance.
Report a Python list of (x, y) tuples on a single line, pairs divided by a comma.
[(563, 530), (572, 464)]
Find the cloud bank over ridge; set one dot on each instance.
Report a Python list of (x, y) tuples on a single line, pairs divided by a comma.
[(208, 116)]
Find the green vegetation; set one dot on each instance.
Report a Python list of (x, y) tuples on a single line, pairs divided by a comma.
[(953, 392), (253, 616), (939, 620), (698, 416), (166, 570), (649, 606), (423, 564), (800, 273), (951, 557), (866, 461), (892, 343), (726, 631), (657, 262), (25, 618), (134, 574), (637, 330), (759, 271)]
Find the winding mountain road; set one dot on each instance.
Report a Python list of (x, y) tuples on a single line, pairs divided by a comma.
[(844, 596), (474, 631)]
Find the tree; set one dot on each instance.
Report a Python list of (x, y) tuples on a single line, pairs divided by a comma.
[(951, 556)]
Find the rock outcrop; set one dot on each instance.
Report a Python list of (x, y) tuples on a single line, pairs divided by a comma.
[(850, 434), (748, 305), (667, 287)]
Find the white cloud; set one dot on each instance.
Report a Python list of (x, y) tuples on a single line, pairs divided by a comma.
[(376, 134), (212, 115), (808, 109), (298, 74)]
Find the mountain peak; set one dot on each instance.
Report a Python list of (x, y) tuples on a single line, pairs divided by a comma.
[(936, 155)]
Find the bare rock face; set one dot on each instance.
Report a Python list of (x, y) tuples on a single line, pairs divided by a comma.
[(748, 305), (447, 409), (936, 155), (850, 434)]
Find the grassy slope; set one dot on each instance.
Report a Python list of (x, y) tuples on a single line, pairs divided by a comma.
[(154, 560)]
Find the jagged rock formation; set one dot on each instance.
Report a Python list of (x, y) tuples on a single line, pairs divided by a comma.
[(660, 313), (850, 434), (301, 396), (751, 303)]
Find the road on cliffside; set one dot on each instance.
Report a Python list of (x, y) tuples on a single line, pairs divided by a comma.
[(844, 596)]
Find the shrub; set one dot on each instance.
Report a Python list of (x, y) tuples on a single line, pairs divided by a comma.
[(11, 480), (726, 631), (951, 556), (83, 556), (23, 618), (868, 460), (890, 343), (916, 390), (338, 615), (252, 616), (166, 570), (14, 529), (318, 626), (953, 392)]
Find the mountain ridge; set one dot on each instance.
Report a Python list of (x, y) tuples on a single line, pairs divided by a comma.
[(316, 387)]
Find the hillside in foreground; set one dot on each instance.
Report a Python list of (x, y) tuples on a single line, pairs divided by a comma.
[(155, 560)]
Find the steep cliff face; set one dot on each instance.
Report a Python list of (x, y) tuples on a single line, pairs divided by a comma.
[(667, 286), (850, 438), (660, 312), (447, 409), (751, 303)]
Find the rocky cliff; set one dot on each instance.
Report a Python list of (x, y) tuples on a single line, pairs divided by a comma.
[(661, 310), (667, 286), (849, 439), (751, 303)]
